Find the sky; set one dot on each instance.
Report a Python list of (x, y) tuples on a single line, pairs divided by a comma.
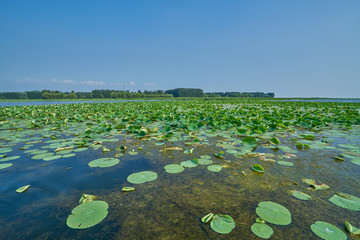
[(307, 48)]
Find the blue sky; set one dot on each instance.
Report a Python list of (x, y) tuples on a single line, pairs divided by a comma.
[(293, 48)]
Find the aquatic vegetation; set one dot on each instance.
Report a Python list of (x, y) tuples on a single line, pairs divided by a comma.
[(87, 214), (258, 168), (274, 213), (327, 231), (207, 218), (351, 229), (128, 189), (142, 177), (262, 230), (236, 137), (104, 162), (346, 201), (23, 189), (222, 224), (87, 198), (174, 168), (300, 195)]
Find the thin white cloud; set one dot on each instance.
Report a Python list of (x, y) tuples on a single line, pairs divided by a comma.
[(132, 83), (92, 83), (148, 84), (30, 80)]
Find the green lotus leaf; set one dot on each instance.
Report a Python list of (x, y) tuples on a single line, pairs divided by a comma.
[(104, 162), (23, 189), (258, 168), (174, 168), (87, 198), (285, 163), (5, 159), (80, 149), (66, 151), (274, 213), (214, 168), (300, 195), (275, 141), (327, 231), (5, 165), (190, 163), (189, 151), (42, 155), (5, 150), (346, 201), (222, 224), (50, 158), (128, 189), (67, 155), (312, 183), (207, 218), (203, 161), (251, 141), (142, 177), (351, 229), (87, 214), (262, 230)]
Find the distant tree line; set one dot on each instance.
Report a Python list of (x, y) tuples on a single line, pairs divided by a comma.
[(116, 94), (95, 94), (240, 94)]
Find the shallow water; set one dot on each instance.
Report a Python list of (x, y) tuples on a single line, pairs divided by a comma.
[(171, 206)]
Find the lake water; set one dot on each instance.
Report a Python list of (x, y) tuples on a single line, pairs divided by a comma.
[(171, 206)]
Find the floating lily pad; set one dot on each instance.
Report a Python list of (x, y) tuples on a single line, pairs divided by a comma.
[(42, 155), (69, 155), (250, 141), (142, 177), (258, 168), (5, 165), (128, 189), (346, 201), (214, 168), (87, 214), (262, 230), (87, 198), (327, 231), (5, 159), (207, 218), (174, 168), (274, 213), (312, 183), (23, 189), (104, 162), (222, 224), (205, 161), (50, 158), (300, 195), (190, 163), (352, 229), (285, 163), (275, 141)]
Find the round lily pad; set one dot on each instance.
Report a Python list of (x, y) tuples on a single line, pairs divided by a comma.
[(190, 163), (262, 230), (142, 177), (5, 165), (104, 162), (223, 224), (9, 158), (87, 214), (174, 168), (285, 163), (327, 231), (274, 213), (67, 155), (50, 158), (214, 168), (345, 200), (300, 195), (42, 155)]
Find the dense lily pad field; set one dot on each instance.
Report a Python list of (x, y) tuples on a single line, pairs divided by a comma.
[(239, 169)]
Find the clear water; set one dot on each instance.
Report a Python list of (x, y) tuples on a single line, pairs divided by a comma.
[(171, 206)]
